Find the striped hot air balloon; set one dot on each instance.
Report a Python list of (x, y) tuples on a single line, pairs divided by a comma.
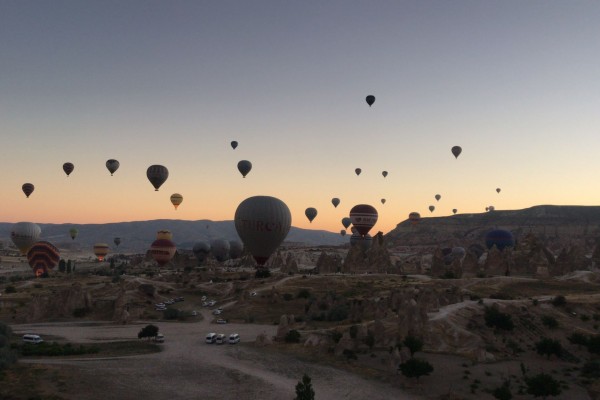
[(100, 251), (363, 217), (42, 257), (24, 235), (157, 175), (162, 251), (164, 234), (176, 199), (27, 189)]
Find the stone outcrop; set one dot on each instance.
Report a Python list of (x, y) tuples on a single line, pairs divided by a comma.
[(329, 263), (374, 260)]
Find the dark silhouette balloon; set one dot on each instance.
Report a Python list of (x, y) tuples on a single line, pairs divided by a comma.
[(363, 217), (220, 249), (498, 190), (112, 166), (117, 241), (370, 100), (236, 249), (500, 238), (28, 189), (456, 150), (262, 222), (346, 222), (335, 201), (201, 250), (454, 211), (234, 144), (431, 208), (310, 213), (384, 173), (157, 175), (382, 201), (244, 167), (414, 217), (343, 232), (68, 168), (357, 171), (438, 197)]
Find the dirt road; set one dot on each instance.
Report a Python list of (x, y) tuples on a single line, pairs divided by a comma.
[(188, 368)]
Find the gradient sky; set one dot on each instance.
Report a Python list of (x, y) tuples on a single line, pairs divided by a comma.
[(515, 83)]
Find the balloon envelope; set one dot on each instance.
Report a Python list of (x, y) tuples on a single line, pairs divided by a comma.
[(363, 217), (201, 250), (382, 201), (176, 199), (164, 234), (73, 233), (500, 238), (220, 249), (234, 144), (343, 232), (335, 201), (24, 235), (498, 190), (100, 251), (162, 251), (112, 166), (27, 189), (262, 222), (244, 167), (438, 197), (43, 256), (454, 211), (310, 213), (357, 171), (117, 241), (346, 221), (456, 150), (68, 168), (384, 173), (431, 208), (370, 99), (414, 217), (157, 175), (236, 249)]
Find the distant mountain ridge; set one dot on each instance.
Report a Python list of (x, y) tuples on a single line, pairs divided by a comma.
[(136, 236)]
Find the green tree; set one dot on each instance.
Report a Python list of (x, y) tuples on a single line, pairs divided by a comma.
[(494, 318), (547, 347), (149, 331), (503, 392), (62, 265), (69, 267), (413, 343), (578, 338), (549, 321), (543, 385), (415, 368), (292, 336), (559, 301), (304, 389), (593, 344)]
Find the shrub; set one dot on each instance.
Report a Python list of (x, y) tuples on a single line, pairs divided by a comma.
[(7, 357), (591, 369), (148, 331), (338, 313), (578, 338), (336, 336), (548, 347), (549, 321), (353, 331), (171, 313), (38, 285), (559, 301), (349, 354), (262, 273), (80, 312), (496, 319), (10, 289), (542, 385), (593, 344), (303, 294), (503, 392), (288, 296), (304, 390), (370, 340), (292, 336), (415, 368), (413, 343)]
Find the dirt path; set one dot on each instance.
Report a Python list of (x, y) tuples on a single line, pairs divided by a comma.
[(189, 368)]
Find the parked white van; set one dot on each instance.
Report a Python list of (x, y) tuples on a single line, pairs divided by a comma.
[(211, 338), (159, 338), (32, 339), (234, 338), (221, 338)]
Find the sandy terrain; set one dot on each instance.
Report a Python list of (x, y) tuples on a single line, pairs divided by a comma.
[(188, 368)]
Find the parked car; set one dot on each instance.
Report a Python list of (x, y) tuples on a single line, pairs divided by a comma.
[(205, 304), (217, 312), (203, 298), (211, 338), (221, 321), (253, 294), (30, 338), (179, 299), (234, 338), (159, 338), (221, 338), (212, 303), (160, 304), (194, 313)]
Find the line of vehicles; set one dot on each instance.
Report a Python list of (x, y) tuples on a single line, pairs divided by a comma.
[(221, 338)]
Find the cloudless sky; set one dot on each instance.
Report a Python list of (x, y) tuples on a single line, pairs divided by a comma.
[(515, 83)]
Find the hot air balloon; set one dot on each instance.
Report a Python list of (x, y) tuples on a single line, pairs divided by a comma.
[(164, 234), (234, 144), (112, 166), (244, 167), (262, 222), (343, 232), (117, 241), (456, 150), (487, 209), (28, 189), (310, 213), (431, 208), (100, 251), (438, 197), (500, 238), (220, 249), (491, 208), (176, 199), (414, 217), (363, 217), (25, 234), (42, 257), (498, 190), (454, 211), (383, 201), (335, 201), (384, 173), (346, 222), (358, 171), (201, 250), (157, 175), (477, 249), (73, 233), (364, 242), (236, 249), (162, 251), (68, 168), (370, 100)]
